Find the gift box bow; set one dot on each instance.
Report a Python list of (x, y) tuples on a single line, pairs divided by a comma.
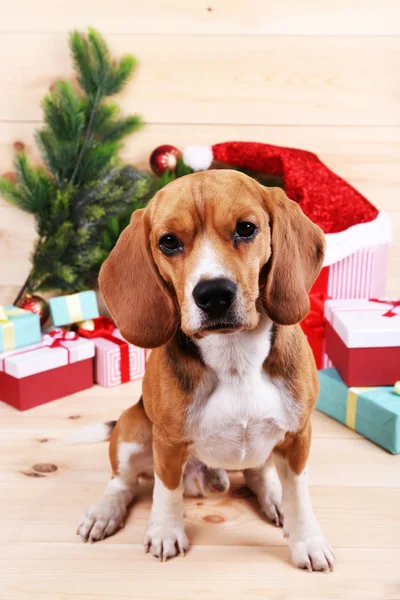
[(8, 326), (103, 327), (54, 338)]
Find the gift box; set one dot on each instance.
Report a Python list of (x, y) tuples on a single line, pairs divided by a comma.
[(18, 328), (363, 340), (59, 365), (66, 310), (374, 412), (117, 361)]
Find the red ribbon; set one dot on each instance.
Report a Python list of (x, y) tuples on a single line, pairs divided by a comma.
[(314, 323), (104, 328), (394, 304), (314, 326), (59, 336)]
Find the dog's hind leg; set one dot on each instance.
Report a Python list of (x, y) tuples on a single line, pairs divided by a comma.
[(200, 480), (265, 483), (131, 456)]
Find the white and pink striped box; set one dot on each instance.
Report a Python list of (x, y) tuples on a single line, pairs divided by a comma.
[(108, 361), (360, 275)]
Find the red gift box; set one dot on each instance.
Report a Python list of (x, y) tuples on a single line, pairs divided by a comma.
[(44, 387), (363, 341), (60, 365)]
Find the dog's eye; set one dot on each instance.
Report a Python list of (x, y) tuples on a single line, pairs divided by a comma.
[(170, 244), (245, 230)]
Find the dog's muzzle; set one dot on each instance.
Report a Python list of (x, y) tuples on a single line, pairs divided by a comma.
[(215, 297)]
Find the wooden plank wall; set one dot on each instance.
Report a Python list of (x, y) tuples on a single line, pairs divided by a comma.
[(314, 74)]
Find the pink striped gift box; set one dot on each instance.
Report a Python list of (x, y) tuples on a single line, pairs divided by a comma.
[(108, 361)]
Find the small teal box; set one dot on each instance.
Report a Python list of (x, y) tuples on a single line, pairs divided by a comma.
[(373, 412), (18, 328), (74, 308)]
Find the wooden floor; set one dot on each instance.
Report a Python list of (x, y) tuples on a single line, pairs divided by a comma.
[(235, 553)]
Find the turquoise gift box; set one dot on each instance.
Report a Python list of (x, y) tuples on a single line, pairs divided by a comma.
[(374, 411), (18, 328), (74, 308)]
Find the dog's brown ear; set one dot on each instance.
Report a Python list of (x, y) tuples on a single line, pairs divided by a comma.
[(297, 254), (135, 294)]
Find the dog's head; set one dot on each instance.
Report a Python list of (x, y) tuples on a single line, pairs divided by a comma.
[(210, 252)]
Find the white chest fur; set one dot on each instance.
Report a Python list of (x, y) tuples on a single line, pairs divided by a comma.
[(239, 414)]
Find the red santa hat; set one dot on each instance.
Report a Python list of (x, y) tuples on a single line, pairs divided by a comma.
[(350, 222)]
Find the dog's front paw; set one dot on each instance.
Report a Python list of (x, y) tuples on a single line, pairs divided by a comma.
[(102, 519), (271, 505), (313, 554), (165, 541)]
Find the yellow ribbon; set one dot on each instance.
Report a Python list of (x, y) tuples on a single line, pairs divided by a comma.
[(74, 308), (8, 326), (351, 407)]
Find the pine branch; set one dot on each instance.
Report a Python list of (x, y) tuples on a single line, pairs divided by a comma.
[(87, 134), (120, 74), (83, 62), (122, 128), (14, 194), (84, 198)]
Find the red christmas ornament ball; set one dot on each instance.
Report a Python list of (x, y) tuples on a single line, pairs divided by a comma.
[(164, 158), (35, 304)]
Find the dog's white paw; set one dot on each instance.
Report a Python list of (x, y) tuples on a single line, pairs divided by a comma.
[(271, 505), (313, 554), (101, 519), (165, 541), (270, 499)]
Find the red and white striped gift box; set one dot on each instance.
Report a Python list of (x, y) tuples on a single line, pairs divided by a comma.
[(108, 361)]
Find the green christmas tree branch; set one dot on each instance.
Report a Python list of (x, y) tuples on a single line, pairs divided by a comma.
[(84, 196)]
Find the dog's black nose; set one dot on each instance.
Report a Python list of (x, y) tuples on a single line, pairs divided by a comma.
[(214, 296)]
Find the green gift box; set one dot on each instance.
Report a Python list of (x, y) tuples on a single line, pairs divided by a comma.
[(18, 328), (374, 412), (74, 308)]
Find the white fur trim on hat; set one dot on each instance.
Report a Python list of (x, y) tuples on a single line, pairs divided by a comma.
[(198, 158), (364, 235)]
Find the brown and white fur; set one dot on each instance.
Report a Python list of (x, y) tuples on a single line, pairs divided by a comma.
[(233, 392)]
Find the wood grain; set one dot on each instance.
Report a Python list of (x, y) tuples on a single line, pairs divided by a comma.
[(255, 17), (355, 487), (213, 79)]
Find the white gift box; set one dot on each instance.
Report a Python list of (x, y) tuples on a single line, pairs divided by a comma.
[(363, 324), (55, 350), (363, 340)]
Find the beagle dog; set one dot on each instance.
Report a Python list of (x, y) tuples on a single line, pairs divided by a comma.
[(214, 274)]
